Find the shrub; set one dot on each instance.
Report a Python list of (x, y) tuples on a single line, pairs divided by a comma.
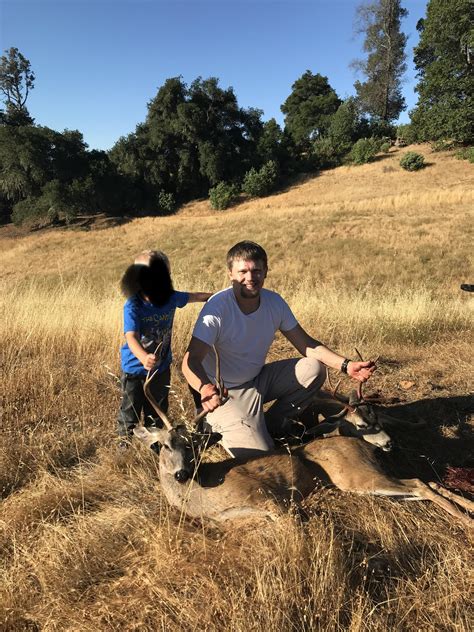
[(327, 153), (364, 150), (412, 161), (223, 195), (385, 147), (406, 134), (443, 144), (466, 153), (262, 182), (166, 203)]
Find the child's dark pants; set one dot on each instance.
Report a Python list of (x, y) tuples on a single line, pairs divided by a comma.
[(134, 401)]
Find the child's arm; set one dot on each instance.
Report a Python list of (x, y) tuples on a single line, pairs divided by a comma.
[(147, 359), (199, 297)]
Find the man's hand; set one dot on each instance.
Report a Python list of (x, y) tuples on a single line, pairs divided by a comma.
[(360, 371), (149, 361), (210, 398)]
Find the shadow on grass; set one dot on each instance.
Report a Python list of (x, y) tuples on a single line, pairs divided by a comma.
[(446, 440)]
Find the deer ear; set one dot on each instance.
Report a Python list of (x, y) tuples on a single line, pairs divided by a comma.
[(206, 440), (149, 436)]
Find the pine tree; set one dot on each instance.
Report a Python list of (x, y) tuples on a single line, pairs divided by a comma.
[(309, 108), (380, 95), (16, 80)]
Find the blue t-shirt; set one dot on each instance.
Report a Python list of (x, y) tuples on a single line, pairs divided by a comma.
[(153, 325)]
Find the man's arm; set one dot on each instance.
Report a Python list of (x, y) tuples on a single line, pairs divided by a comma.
[(312, 348), (199, 297), (197, 377)]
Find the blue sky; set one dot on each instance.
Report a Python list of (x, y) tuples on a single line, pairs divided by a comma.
[(99, 62)]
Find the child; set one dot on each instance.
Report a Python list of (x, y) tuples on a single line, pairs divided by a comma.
[(148, 320)]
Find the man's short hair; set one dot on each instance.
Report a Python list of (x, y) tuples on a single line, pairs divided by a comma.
[(248, 251)]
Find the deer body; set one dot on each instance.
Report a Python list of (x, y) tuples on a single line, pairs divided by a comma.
[(264, 485)]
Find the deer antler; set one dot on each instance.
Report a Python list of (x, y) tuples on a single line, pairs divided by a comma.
[(360, 396), (219, 385), (146, 389), (333, 393)]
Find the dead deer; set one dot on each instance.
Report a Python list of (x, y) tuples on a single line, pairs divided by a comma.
[(351, 416), (231, 489)]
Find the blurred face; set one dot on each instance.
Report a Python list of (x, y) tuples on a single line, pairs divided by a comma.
[(247, 278)]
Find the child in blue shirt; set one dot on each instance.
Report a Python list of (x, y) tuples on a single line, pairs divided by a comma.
[(148, 321)]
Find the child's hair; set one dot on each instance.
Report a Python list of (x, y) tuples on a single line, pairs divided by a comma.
[(147, 256), (149, 276)]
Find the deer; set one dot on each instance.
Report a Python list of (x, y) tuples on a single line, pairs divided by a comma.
[(352, 416), (262, 486)]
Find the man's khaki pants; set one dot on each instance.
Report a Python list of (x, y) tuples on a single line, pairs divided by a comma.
[(246, 430)]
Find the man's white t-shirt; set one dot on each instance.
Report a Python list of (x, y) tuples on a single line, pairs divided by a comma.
[(242, 340)]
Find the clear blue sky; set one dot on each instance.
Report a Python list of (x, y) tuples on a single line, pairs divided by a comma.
[(99, 62)]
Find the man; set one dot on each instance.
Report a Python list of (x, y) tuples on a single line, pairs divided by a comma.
[(241, 322)]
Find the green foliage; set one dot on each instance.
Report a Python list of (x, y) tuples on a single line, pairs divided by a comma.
[(223, 195), (380, 95), (407, 134), (193, 138), (16, 80), (343, 129), (48, 173), (466, 153), (385, 147), (166, 203), (364, 150), (275, 144), (443, 58), (443, 144), (412, 161), (327, 153), (309, 108), (258, 183)]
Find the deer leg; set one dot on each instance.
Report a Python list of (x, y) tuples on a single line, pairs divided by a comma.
[(423, 491), (456, 498)]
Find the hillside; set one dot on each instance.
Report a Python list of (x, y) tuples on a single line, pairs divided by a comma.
[(369, 257)]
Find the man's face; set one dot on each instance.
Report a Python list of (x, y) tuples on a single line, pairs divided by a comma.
[(247, 277)]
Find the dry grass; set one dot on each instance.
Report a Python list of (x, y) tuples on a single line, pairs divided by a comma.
[(369, 256)]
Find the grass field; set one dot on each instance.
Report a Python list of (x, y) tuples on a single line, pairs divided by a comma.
[(369, 257)]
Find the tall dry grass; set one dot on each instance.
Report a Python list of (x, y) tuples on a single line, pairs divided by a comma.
[(366, 257)]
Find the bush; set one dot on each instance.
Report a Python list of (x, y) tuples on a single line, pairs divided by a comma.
[(385, 147), (223, 195), (166, 203), (466, 153), (443, 144), (327, 153), (262, 182), (364, 150), (406, 135), (412, 161)]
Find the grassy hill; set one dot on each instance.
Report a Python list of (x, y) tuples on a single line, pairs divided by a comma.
[(369, 257)]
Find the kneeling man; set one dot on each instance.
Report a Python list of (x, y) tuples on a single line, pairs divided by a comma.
[(241, 322)]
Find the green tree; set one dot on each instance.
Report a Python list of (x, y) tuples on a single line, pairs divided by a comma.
[(309, 108), (193, 138), (16, 81), (444, 59), (343, 130), (380, 94)]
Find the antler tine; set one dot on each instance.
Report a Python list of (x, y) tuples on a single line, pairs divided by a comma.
[(360, 395), (219, 386), (153, 402), (146, 389)]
